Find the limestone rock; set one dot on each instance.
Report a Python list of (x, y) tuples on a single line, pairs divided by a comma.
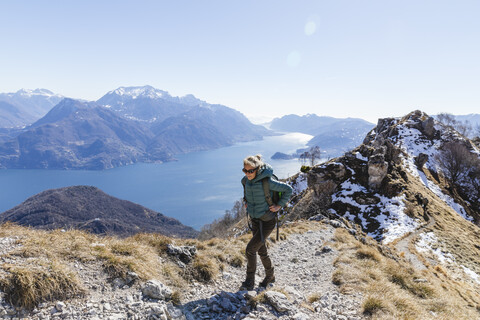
[(420, 160), (377, 171), (156, 290), (278, 300), (184, 253)]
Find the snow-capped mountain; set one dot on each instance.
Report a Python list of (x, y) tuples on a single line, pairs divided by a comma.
[(21, 108), (148, 103), (135, 124)]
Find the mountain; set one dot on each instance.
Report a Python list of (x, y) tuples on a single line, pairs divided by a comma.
[(334, 136), (141, 124), (182, 124), (89, 208), (204, 128), (144, 103), (23, 107), (340, 136), (412, 185), (309, 123), (79, 135)]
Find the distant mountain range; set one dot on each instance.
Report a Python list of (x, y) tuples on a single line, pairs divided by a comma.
[(89, 208), (127, 125), (24, 107), (334, 136)]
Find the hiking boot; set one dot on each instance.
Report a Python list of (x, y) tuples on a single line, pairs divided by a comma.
[(269, 278), (249, 283)]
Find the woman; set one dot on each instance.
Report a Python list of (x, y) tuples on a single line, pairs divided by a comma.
[(262, 215)]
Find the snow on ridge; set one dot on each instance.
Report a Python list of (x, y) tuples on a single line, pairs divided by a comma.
[(300, 183), (447, 199), (428, 242), (393, 221), (30, 93), (135, 92)]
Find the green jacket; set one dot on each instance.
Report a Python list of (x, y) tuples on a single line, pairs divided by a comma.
[(257, 206)]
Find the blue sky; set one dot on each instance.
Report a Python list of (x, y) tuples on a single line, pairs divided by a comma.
[(366, 59)]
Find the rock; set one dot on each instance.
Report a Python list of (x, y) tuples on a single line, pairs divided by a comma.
[(326, 249), (60, 306), (226, 304), (249, 295), (174, 313), (156, 290), (428, 127), (184, 253), (377, 170), (420, 160), (131, 277), (226, 276), (300, 316), (118, 283), (278, 300)]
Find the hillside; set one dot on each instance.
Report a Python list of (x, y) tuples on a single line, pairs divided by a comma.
[(89, 208), (378, 233), (392, 187)]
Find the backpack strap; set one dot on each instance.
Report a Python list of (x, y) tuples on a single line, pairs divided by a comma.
[(268, 198), (266, 191), (245, 201)]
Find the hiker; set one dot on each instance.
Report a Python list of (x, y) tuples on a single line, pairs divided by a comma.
[(263, 215)]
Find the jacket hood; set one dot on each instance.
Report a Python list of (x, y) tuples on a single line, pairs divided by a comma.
[(265, 171)]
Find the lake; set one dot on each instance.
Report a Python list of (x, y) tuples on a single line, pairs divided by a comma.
[(196, 189)]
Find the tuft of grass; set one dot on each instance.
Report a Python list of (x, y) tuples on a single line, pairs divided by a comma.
[(313, 297), (237, 261), (26, 287), (337, 277), (372, 305), (368, 253), (205, 268), (176, 297)]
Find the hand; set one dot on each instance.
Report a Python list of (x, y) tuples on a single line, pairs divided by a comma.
[(275, 208)]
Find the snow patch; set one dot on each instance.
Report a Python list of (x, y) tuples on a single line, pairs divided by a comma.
[(300, 183), (393, 221), (472, 274), (429, 243), (447, 199)]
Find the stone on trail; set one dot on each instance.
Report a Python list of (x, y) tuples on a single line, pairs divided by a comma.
[(156, 290), (278, 300)]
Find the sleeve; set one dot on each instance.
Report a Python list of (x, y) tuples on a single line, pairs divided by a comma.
[(284, 188)]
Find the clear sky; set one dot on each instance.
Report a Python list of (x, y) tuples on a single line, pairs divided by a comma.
[(365, 59)]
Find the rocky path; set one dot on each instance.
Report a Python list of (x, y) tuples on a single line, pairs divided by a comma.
[(403, 245), (303, 290), (303, 287)]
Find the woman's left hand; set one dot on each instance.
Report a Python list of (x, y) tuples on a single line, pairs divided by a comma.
[(275, 208)]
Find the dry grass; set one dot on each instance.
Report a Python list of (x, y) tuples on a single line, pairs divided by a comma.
[(392, 289), (313, 297), (27, 283), (27, 286)]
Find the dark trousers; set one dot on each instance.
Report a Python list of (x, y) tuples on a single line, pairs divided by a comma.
[(257, 245)]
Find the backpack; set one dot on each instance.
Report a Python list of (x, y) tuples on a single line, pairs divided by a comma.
[(271, 200)]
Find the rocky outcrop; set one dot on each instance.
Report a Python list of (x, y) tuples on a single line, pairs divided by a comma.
[(377, 170)]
